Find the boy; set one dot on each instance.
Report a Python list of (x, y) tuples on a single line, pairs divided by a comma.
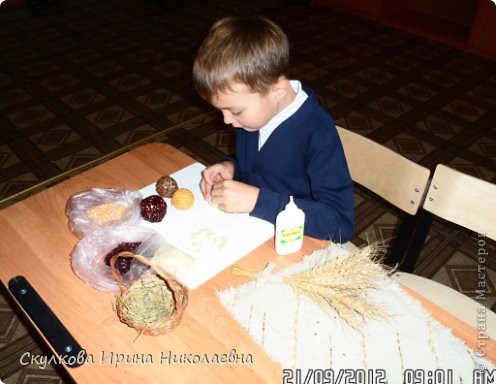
[(286, 144)]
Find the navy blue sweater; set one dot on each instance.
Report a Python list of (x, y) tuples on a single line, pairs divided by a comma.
[(304, 158)]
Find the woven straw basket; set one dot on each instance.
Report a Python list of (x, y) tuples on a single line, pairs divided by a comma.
[(153, 305)]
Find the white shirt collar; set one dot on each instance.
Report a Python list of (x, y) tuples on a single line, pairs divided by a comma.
[(273, 123)]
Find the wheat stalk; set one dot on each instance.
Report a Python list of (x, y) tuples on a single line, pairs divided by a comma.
[(342, 283)]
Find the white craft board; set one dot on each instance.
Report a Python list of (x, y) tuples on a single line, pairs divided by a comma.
[(232, 235)]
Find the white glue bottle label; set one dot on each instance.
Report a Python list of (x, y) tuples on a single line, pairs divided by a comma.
[(289, 229)]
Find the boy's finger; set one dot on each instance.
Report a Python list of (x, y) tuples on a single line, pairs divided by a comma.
[(218, 178), (205, 188)]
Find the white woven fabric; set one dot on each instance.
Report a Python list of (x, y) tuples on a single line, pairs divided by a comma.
[(299, 334)]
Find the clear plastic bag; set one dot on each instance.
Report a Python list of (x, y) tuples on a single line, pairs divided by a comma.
[(173, 261), (102, 207), (88, 256)]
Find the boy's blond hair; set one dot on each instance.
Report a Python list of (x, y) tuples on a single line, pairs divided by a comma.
[(251, 50)]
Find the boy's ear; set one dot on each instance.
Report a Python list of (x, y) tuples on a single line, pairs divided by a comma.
[(280, 88)]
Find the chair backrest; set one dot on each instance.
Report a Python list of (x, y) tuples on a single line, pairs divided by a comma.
[(462, 199), (388, 174)]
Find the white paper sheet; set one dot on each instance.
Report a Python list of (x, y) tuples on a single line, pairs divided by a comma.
[(216, 239)]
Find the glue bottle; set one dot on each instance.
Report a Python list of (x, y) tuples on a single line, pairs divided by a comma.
[(289, 229)]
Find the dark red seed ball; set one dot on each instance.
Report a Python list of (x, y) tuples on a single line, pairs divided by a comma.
[(122, 247), (123, 265), (153, 208)]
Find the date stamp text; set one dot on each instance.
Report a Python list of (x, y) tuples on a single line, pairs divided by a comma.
[(379, 376)]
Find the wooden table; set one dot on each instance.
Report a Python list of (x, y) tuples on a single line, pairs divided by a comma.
[(37, 243)]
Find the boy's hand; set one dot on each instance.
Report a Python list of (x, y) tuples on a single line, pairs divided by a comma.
[(234, 196), (214, 174)]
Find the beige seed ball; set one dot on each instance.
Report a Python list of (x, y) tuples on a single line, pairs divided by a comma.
[(183, 199)]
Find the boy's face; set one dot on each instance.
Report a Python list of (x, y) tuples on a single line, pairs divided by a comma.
[(244, 109)]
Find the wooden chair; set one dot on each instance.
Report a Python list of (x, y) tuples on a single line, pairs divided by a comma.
[(394, 178), (459, 198)]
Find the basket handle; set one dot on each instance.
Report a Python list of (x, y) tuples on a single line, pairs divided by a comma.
[(117, 276)]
